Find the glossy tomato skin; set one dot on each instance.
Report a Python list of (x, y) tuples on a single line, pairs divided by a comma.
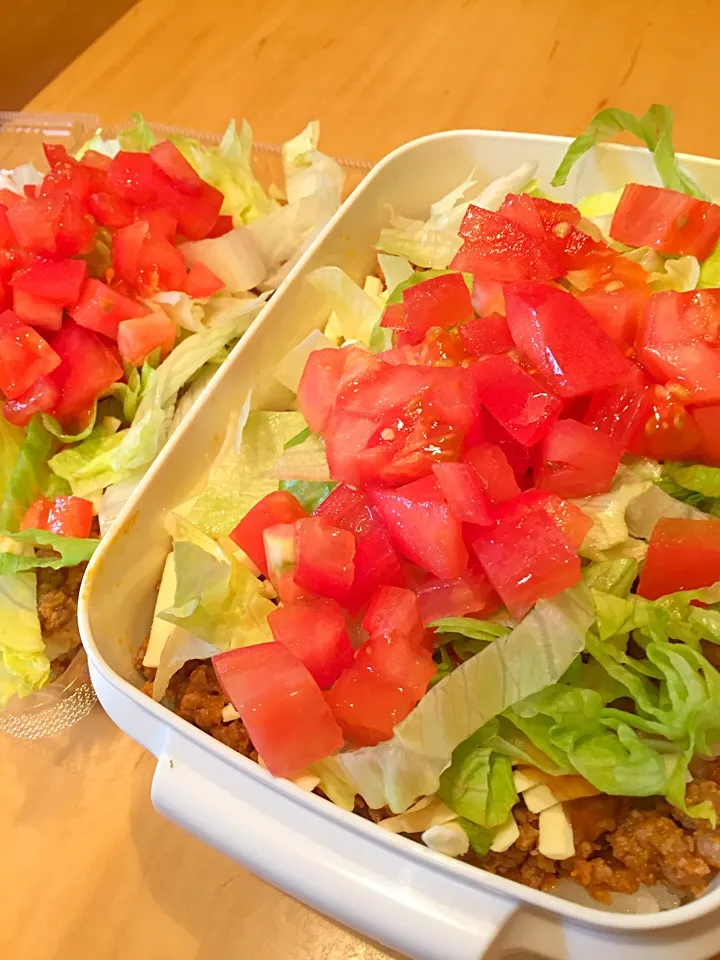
[(101, 308), (319, 385), (442, 301), (88, 368), (487, 336), (526, 557), (37, 312), (577, 461), (202, 282), (315, 632), (110, 211), (399, 662), (274, 508), (472, 593), (324, 558), (522, 405), (426, 533), (376, 562), (558, 335), (366, 706), (708, 423), (621, 412), (24, 356), (141, 335), (666, 220), (167, 157), (465, 492), (281, 706), (494, 470), (70, 517), (682, 555), (394, 611), (573, 522), (41, 397), (59, 281), (670, 432), (617, 311), (36, 515)]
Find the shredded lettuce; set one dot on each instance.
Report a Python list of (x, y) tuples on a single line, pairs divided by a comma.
[(24, 665), (394, 269), (70, 551), (608, 510), (290, 368), (24, 465), (357, 312), (654, 128), (599, 204)]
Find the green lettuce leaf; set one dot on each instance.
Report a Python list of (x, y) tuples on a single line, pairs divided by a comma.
[(138, 136), (24, 666), (11, 441), (469, 627), (653, 128), (614, 577), (310, 493), (710, 270), (28, 477), (608, 512), (71, 550)]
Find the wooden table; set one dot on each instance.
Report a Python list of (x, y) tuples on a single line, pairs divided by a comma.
[(94, 873)]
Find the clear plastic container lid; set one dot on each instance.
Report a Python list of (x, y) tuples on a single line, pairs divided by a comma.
[(70, 697)]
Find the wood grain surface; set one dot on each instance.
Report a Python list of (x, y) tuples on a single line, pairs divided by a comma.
[(88, 870)]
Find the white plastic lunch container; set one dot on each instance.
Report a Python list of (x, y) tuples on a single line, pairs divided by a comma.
[(415, 901)]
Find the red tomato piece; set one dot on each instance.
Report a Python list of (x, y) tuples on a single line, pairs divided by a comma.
[(470, 593), (399, 662), (127, 245), (32, 224), (141, 335), (36, 311), (616, 311), (376, 563), (670, 432), (324, 558), (36, 515), (620, 412), (201, 281), (319, 385), (427, 488), (24, 356), (197, 216), (552, 213), (426, 533), (442, 301), (315, 633), (394, 611), (88, 368), (70, 517), (666, 220), (223, 225), (465, 492), (558, 335), (41, 397), (394, 317), (281, 706), (110, 210), (7, 237), (276, 507), (527, 558), (367, 707), (577, 461), (101, 308), (133, 177), (75, 227), (174, 165), (573, 522), (58, 281), (521, 209), (160, 221), (485, 336), (708, 422), (66, 173), (495, 248), (515, 399), (494, 470), (682, 555)]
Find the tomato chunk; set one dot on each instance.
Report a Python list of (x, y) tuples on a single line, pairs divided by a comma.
[(573, 522), (366, 706), (671, 431), (399, 663), (70, 517), (319, 385), (494, 470), (88, 368), (110, 211), (616, 311), (24, 356), (324, 557), (394, 611), (141, 335), (315, 633), (427, 533), (36, 515), (442, 301), (274, 508), (201, 281), (527, 557), (174, 165), (281, 706), (41, 397), (708, 422), (57, 281), (577, 461), (486, 336), (37, 312), (101, 308), (515, 399), (620, 412), (465, 492), (666, 220), (470, 593), (682, 555), (559, 336)]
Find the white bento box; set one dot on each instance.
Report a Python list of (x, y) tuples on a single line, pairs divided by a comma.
[(406, 896)]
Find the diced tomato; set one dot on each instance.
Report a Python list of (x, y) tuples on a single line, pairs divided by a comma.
[(281, 706), (521, 209), (427, 488), (552, 213), (276, 507), (487, 298), (487, 335), (101, 308), (577, 461), (110, 210), (493, 468), (555, 331), (620, 412), (70, 517), (670, 432), (616, 311), (7, 237), (439, 348), (75, 228), (682, 555), (315, 633), (141, 335), (394, 318), (515, 399), (32, 223), (375, 560), (708, 422), (146, 260), (442, 301), (666, 220), (367, 707), (495, 248), (160, 221), (527, 558), (36, 515), (88, 368), (66, 173), (36, 311), (319, 385), (465, 492), (57, 281), (426, 533), (223, 225), (679, 340), (24, 356), (133, 177), (174, 165), (324, 558), (394, 611), (98, 165), (399, 662), (573, 522), (470, 593), (517, 454), (201, 281), (126, 248), (41, 397)]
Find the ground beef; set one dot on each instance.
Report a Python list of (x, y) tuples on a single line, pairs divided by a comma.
[(57, 596)]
